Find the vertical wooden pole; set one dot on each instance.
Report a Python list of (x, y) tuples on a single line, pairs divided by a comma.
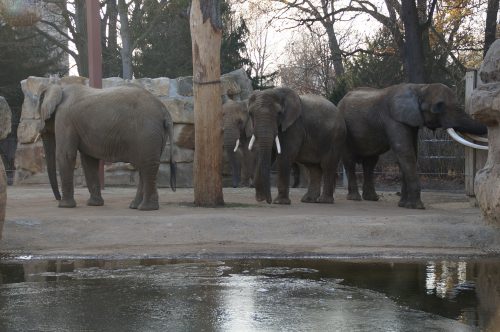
[(206, 36), (95, 56)]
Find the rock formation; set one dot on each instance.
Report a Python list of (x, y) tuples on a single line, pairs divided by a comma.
[(176, 94), (484, 105)]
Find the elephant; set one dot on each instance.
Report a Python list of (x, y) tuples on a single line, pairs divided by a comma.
[(125, 123), (308, 130), (238, 129), (385, 119)]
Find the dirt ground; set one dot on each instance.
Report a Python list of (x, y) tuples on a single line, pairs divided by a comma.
[(449, 227)]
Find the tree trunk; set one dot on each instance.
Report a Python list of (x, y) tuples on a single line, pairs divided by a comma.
[(206, 36), (414, 58), (491, 24), (126, 50), (81, 38), (3, 195)]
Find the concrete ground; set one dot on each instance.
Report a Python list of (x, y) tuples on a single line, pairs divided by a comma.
[(449, 227)]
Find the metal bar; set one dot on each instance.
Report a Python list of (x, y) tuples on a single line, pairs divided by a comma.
[(95, 56)]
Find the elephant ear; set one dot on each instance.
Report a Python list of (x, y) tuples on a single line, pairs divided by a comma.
[(49, 99), (433, 98), (405, 107), (291, 107)]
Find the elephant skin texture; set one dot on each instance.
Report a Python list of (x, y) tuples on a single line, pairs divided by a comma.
[(379, 120), (122, 124), (308, 130), (238, 129)]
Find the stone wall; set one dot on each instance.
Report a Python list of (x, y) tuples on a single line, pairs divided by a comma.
[(176, 94), (484, 105)]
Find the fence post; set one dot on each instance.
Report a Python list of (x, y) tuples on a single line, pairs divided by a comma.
[(474, 159)]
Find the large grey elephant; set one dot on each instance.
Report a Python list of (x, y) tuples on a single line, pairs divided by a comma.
[(238, 129), (381, 119), (124, 123), (307, 129)]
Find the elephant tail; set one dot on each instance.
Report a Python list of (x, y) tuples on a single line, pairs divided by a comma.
[(169, 125)]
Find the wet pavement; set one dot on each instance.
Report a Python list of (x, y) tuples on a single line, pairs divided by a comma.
[(350, 266), (248, 295)]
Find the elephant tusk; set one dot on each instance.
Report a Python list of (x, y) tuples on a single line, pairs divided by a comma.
[(477, 138), (36, 138), (463, 141), (278, 145), (237, 145), (252, 140)]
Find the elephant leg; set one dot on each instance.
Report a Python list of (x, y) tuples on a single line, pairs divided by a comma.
[(314, 188), (283, 181), (407, 159), (139, 194), (150, 192), (91, 171), (352, 181), (66, 158), (329, 168), (369, 193)]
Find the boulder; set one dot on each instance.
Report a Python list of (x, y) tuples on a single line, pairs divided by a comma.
[(5, 118), (490, 68), (484, 105)]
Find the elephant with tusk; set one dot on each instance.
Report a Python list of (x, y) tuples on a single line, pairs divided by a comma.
[(306, 129), (238, 129), (379, 120)]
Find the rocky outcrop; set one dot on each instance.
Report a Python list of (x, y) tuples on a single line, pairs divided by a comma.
[(5, 127), (484, 105), (176, 94)]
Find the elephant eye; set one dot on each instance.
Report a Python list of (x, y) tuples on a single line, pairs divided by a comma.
[(438, 107)]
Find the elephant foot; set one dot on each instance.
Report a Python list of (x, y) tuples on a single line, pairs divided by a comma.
[(307, 198), (95, 201), (67, 203), (282, 200), (261, 198), (354, 196), (370, 196), (411, 205), (325, 199), (135, 204), (148, 206)]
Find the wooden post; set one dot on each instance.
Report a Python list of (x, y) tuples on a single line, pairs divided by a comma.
[(95, 56), (474, 159), (206, 36)]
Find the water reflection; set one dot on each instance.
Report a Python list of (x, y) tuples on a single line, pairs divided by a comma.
[(248, 295)]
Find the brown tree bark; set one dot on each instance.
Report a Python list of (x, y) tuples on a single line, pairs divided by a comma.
[(414, 58), (206, 36), (491, 24)]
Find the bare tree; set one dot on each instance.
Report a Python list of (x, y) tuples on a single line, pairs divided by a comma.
[(309, 67), (491, 24)]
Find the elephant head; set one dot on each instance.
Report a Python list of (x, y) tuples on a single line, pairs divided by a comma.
[(272, 111), (237, 131), (433, 106), (49, 97)]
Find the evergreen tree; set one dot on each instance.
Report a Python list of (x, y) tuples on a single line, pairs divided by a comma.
[(166, 51), (23, 53)]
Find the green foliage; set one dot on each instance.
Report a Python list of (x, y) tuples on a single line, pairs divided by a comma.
[(166, 50), (23, 54), (263, 82)]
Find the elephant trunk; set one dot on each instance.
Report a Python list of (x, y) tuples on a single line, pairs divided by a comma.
[(466, 124), (263, 171), (49, 145), (230, 138)]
